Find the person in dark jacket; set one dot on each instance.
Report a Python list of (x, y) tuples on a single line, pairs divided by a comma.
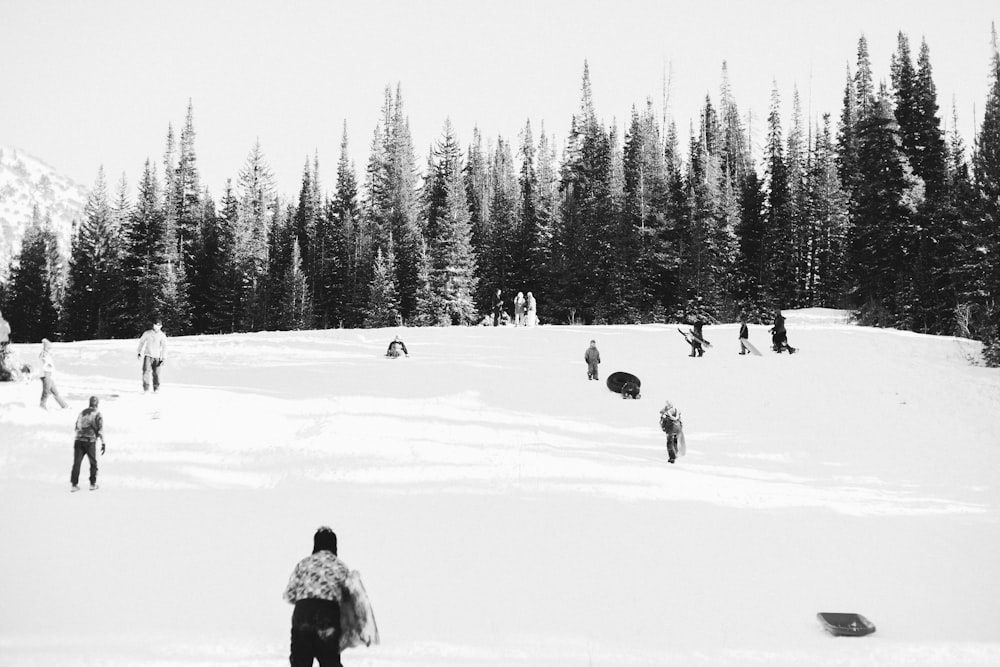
[(744, 336), (395, 347), (316, 588), (593, 359), (779, 336), (696, 339), (497, 307), (89, 429)]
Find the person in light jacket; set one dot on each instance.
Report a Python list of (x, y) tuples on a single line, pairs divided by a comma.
[(48, 381), (153, 352)]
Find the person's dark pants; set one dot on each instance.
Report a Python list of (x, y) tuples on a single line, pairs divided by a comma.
[(151, 368), (672, 446), (592, 371), (83, 448), (315, 633), (49, 387)]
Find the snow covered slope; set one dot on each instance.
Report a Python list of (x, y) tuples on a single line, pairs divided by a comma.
[(26, 181), (502, 509)]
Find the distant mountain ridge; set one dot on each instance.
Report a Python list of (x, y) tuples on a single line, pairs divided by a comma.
[(26, 181)]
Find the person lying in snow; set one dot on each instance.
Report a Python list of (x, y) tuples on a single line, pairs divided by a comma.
[(395, 347)]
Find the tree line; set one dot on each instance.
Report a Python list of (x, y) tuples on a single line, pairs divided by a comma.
[(881, 211)]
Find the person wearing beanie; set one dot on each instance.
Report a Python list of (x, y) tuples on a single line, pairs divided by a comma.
[(316, 588), (670, 423), (89, 429)]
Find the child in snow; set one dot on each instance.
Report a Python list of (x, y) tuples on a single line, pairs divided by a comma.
[(395, 347), (48, 381), (593, 358), (670, 422)]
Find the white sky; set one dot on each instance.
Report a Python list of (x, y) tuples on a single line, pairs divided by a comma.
[(90, 83)]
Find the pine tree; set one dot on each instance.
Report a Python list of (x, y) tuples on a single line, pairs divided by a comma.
[(826, 225), (143, 238), (864, 83), (884, 205), (250, 240), (847, 137), (29, 306), (186, 198), (94, 291), (780, 283), (345, 267), (383, 302), (453, 263)]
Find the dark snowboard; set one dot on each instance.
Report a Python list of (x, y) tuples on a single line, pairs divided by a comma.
[(625, 384), (846, 625)]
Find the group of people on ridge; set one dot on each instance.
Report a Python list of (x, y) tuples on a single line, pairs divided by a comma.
[(525, 310)]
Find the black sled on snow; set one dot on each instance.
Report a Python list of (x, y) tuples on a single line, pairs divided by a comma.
[(625, 384)]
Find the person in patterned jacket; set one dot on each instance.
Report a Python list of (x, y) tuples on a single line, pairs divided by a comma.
[(316, 588)]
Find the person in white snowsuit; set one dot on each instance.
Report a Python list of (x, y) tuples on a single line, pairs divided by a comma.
[(593, 359), (519, 310), (532, 316), (89, 429), (48, 371), (4, 335), (670, 423), (316, 588), (153, 352)]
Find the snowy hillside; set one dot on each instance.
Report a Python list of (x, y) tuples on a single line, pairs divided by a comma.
[(26, 181), (502, 509)]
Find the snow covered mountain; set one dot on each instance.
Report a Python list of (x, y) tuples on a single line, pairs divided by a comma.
[(26, 181)]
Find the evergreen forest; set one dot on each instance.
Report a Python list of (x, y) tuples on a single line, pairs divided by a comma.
[(880, 209)]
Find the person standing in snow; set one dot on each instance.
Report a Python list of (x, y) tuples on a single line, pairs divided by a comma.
[(670, 422), (89, 428), (497, 307), (593, 359), (153, 352), (532, 316), (395, 347), (779, 336), (316, 588), (744, 335), (4, 336), (48, 381), (519, 310), (696, 339)]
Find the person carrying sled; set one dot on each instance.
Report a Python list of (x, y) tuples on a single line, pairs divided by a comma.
[(48, 380), (744, 336), (696, 339), (89, 429), (316, 588), (153, 352), (670, 423), (779, 336), (396, 347), (593, 359)]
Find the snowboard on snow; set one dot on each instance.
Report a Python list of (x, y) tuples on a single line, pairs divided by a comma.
[(750, 347), (357, 619), (845, 625), (690, 335)]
